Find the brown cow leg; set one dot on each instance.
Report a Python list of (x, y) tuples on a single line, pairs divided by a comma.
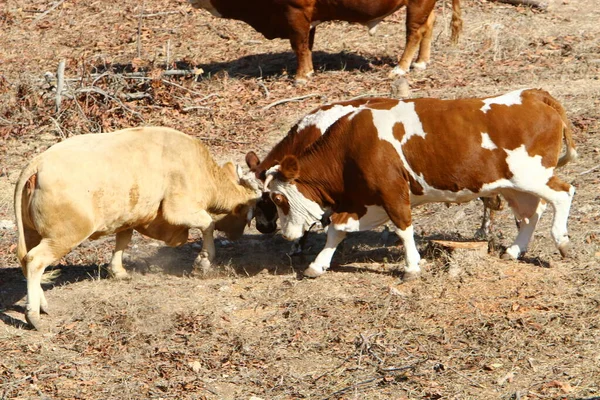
[(425, 48), (301, 44), (416, 29)]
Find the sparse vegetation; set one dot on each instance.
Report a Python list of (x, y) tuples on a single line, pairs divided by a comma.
[(471, 328)]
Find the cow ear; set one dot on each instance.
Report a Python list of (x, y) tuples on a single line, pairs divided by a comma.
[(289, 168), (239, 210), (252, 160), (229, 170)]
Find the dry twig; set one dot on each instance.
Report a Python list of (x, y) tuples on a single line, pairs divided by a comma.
[(283, 101), (530, 3), (48, 11)]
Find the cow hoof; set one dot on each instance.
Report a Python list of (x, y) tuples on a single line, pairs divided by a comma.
[(507, 256), (120, 276), (313, 272), (44, 309), (565, 249), (481, 234), (410, 276), (420, 65), (34, 320), (300, 81), (397, 71), (202, 267)]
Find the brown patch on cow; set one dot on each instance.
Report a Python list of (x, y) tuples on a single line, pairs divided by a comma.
[(282, 202), (343, 217), (134, 196), (450, 164), (556, 184)]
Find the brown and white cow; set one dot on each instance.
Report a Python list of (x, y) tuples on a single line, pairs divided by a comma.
[(381, 156), (157, 181), (296, 20), (302, 135)]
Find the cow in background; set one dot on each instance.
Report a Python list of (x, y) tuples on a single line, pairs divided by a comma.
[(381, 156), (296, 20), (157, 181)]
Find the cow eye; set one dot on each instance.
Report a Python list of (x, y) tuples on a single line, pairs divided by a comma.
[(277, 199)]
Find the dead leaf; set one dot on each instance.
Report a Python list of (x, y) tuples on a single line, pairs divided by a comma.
[(564, 386)]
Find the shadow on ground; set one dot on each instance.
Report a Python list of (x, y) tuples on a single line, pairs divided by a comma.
[(266, 65)]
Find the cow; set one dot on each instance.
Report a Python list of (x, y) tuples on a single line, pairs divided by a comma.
[(301, 136), (296, 20), (157, 181), (379, 157)]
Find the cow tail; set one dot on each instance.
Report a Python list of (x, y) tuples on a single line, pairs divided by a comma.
[(457, 22), (22, 250), (570, 153)]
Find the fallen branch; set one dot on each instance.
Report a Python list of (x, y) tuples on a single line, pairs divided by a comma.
[(158, 14), (48, 11), (590, 170), (283, 101), (221, 140), (530, 3), (60, 81), (386, 94), (108, 96)]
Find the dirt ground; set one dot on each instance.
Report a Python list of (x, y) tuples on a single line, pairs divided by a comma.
[(473, 327)]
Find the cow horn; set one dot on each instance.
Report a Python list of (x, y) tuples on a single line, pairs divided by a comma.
[(267, 181), (249, 216)]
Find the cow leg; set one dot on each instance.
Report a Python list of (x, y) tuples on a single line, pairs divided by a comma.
[(116, 263), (528, 209), (486, 223), (560, 195), (37, 259), (205, 223), (323, 260), (425, 47), (301, 44), (416, 28), (398, 209)]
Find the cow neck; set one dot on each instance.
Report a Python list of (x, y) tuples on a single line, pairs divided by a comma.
[(226, 194), (321, 175), (293, 143)]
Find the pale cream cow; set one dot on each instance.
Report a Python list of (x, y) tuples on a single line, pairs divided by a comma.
[(157, 181)]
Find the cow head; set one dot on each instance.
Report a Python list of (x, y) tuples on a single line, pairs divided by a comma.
[(234, 222), (265, 213), (297, 211)]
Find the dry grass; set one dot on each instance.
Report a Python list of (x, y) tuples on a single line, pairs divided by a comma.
[(471, 328)]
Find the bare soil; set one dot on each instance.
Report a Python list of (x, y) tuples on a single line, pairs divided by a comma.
[(473, 327)]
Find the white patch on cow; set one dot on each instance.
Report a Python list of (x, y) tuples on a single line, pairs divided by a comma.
[(528, 171), (374, 217), (404, 113), (206, 5), (507, 99), (486, 142), (323, 119), (303, 212)]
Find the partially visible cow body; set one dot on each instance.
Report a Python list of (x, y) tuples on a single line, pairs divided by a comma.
[(296, 20), (381, 156), (157, 181)]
